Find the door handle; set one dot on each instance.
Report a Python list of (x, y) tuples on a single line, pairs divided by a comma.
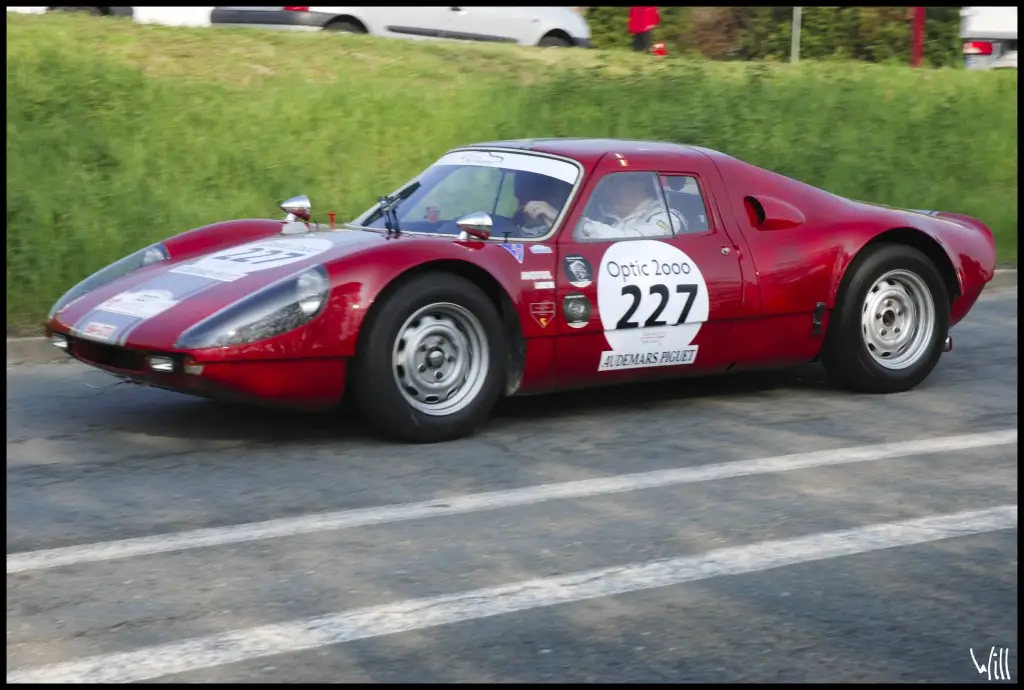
[(456, 9)]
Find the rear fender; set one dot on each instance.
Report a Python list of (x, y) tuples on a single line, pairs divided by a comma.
[(924, 242)]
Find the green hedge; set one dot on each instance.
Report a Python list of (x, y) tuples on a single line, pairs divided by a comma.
[(119, 135), (875, 34)]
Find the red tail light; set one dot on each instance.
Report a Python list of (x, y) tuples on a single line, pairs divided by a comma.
[(978, 48), (296, 9)]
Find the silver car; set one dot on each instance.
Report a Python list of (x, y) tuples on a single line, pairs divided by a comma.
[(531, 26)]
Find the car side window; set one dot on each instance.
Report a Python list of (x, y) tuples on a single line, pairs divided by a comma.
[(682, 192), (625, 205)]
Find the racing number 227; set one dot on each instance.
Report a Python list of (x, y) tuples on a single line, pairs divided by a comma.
[(249, 256), (661, 291)]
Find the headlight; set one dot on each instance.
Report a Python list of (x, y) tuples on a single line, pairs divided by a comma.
[(132, 262), (278, 308)]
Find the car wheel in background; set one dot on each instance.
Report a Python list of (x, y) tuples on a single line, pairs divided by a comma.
[(345, 27), (431, 361), (555, 41), (890, 322)]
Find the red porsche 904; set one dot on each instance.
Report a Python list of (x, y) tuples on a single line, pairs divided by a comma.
[(519, 267)]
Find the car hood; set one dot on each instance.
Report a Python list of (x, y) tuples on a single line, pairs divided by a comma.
[(150, 307)]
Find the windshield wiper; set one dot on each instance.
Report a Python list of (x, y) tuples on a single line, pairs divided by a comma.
[(387, 208)]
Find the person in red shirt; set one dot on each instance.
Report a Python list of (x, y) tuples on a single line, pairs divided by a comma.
[(642, 21)]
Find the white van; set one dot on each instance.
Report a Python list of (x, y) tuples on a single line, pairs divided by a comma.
[(989, 37), (543, 26)]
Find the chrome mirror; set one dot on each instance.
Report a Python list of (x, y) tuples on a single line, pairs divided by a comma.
[(478, 225), (298, 207)]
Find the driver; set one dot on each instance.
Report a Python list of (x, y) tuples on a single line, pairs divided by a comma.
[(630, 207), (539, 198)]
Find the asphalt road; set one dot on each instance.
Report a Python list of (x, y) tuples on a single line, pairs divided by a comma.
[(324, 555)]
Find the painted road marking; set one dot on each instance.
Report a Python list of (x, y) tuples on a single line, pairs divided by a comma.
[(417, 614), (457, 505)]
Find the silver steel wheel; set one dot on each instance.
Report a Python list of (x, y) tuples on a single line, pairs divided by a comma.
[(440, 358), (898, 319)]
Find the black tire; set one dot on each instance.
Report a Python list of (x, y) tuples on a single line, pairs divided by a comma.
[(375, 389), (345, 27), (846, 355), (551, 41)]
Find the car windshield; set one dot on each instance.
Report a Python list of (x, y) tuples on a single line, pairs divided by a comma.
[(499, 183)]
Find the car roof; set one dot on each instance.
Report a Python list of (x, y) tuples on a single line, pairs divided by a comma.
[(587, 151)]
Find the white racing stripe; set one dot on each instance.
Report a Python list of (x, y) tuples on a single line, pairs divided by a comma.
[(456, 505), (417, 614)]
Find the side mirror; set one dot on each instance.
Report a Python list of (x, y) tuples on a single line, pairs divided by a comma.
[(478, 225), (298, 207)]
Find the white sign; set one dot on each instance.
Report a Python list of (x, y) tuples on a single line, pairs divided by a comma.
[(144, 304), (238, 262), (652, 299)]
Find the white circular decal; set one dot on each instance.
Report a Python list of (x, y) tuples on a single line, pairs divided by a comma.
[(262, 255), (652, 300)]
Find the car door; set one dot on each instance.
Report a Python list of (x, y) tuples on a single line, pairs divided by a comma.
[(413, 22), (498, 24), (173, 16), (633, 307)]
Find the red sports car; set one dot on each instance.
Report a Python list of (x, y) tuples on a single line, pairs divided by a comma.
[(519, 267)]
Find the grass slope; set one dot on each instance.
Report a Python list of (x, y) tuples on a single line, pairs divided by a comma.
[(119, 134)]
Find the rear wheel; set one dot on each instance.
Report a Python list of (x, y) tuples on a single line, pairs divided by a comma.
[(432, 360), (890, 322), (345, 27)]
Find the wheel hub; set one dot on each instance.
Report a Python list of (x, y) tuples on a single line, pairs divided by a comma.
[(898, 319), (440, 358)]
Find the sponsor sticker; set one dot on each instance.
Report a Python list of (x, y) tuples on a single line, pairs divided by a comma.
[(143, 304), (540, 249), (653, 300), (576, 309), (546, 285), (535, 275), (98, 331), (524, 162), (614, 361), (515, 250), (578, 271), (542, 313)]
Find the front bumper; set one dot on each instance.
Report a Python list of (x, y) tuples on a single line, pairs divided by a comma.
[(301, 384)]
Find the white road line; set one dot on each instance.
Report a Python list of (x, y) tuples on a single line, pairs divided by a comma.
[(417, 614), (456, 505)]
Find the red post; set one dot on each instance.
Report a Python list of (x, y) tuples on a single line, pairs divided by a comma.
[(918, 38)]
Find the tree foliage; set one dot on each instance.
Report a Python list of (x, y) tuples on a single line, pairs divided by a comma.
[(874, 34)]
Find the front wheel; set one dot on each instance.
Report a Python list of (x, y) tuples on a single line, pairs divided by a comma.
[(431, 361), (890, 322)]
